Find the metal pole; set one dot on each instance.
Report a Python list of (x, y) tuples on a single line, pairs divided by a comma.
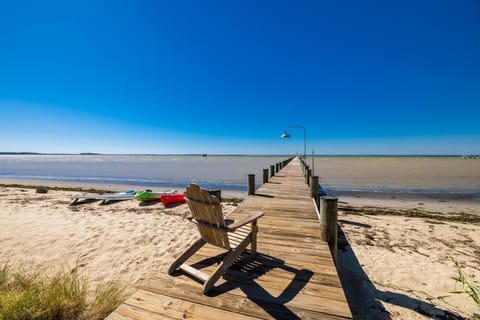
[(304, 143), (313, 162), (304, 139)]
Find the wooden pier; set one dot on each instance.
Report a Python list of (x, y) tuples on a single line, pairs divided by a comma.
[(292, 277)]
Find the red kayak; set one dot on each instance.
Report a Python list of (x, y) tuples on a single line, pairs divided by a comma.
[(172, 198)]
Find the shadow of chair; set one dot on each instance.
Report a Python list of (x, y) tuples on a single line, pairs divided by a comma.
[(246, 274)]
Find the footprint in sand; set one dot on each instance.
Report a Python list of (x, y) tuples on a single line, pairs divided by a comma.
[(171, 250), (140, 242)]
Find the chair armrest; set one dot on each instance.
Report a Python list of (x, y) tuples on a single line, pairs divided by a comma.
[(251, 217)]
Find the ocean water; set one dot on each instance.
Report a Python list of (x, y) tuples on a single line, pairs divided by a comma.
[(398, 174), (338, 174), (225, 172)]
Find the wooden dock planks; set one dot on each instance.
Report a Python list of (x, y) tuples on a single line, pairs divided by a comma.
[(292, 277)]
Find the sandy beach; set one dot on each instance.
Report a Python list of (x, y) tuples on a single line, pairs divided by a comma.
[(120, 240), (395, 255)]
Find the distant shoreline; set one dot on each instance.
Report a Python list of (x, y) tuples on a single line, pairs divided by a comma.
[(240, 155)]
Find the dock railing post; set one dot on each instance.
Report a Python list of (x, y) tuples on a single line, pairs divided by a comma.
[(309, 176), (328, 223), (314, 189), (251, 184), (272, 170), (265, 176)]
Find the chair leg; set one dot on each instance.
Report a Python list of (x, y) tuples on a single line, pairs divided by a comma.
[(187, 254), (253, 245), (226, 263)]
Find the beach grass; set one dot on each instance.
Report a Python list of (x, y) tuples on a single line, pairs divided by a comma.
[(467, 286), (26, 294)]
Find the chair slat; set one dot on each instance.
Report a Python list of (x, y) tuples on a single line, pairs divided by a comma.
[(206, 209)]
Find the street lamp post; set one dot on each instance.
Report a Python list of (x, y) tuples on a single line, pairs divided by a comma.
[(286, 135)]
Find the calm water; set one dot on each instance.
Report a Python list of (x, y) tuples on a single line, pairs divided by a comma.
[(424, 175), (226, 172), (337, 174)]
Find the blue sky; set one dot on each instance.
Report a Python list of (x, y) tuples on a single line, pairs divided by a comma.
[(363, 77)]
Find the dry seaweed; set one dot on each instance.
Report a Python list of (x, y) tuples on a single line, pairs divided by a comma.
[(461, 217)]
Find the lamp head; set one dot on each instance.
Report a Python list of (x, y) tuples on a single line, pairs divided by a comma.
[(285, 135)]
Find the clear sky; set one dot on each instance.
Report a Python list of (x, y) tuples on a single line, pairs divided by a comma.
[(363, 77)]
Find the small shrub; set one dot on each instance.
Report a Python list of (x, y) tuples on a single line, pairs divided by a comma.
[(63, 295), (107, 298)]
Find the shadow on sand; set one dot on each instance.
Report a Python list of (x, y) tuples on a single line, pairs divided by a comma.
[(149, 203), (82, 201), (364, 299)]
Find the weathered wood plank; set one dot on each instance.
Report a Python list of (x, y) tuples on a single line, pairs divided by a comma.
[(158, 303), (292, 277), (233, 300), (314, 263), (116, 316), (281, 280), (126, 311), (320, 275)]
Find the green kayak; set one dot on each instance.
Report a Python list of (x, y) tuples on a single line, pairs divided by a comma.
[(147, 195)]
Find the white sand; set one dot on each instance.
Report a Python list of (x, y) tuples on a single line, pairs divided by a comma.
[(121, 240), (390, 265), (403, 265)]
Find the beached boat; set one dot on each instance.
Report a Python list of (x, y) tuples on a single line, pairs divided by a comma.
[(127, 195), (172, 198), (149, 195)]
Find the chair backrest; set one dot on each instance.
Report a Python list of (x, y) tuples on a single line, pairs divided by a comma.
[(207, 213)]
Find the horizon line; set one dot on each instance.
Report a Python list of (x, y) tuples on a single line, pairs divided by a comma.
[(233, 154)]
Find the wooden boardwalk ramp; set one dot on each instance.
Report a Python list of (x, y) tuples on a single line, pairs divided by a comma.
[(292, 277)]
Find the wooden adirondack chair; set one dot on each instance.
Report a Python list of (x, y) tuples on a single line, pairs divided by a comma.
[(233, 236)]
